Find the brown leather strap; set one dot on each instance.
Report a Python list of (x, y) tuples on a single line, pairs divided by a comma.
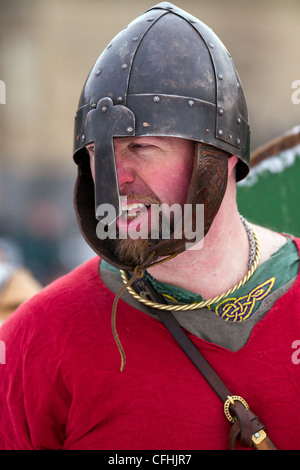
[(264, 444), (200, 362), (246, 422)]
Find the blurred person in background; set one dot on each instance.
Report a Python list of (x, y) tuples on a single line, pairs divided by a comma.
[(162, 121), (16, 283)]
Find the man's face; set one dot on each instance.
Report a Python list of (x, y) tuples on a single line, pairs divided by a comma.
[(151, 170)]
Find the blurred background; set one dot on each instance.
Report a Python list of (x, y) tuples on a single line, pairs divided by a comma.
[(47, 49)]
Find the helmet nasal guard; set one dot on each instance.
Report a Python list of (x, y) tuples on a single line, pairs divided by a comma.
[(165, 74)]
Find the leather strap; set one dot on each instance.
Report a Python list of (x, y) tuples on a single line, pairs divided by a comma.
[(246, 425), (261, 442)]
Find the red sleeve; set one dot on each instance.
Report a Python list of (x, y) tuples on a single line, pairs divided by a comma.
[(41, 347), (34, 400)]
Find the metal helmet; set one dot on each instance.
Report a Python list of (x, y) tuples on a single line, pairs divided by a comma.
[(165, 74)]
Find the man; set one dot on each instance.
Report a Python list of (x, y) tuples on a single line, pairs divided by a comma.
[(161, 131)]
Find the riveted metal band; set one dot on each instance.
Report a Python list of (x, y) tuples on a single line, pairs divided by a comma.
[(231, 118), (110, 74)]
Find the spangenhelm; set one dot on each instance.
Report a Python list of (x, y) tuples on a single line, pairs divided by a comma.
[(165, 74)]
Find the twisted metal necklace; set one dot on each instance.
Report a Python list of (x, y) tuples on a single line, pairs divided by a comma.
[(253, 261)]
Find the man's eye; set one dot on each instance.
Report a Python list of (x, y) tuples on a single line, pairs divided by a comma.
[(136, 146), (139, 146)]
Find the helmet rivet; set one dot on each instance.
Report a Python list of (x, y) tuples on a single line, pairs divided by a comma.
[(220, 76), (221, 112), (220, 132), (98, 72), (83, 138), (211, 45), (76, 116), (208, 131), (238, 141), (109, 46), (94, 105), (238, 120), (135, 39), (156, 99), (104, 109), (129, 130), (120, 99), (191, 103), (124, 66), (150, 19)]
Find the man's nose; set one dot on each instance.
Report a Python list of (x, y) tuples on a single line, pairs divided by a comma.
[(125, 172)]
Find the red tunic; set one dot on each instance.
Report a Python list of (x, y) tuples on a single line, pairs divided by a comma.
[(61, 386)]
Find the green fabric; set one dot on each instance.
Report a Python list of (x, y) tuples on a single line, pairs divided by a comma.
[(274, 273)]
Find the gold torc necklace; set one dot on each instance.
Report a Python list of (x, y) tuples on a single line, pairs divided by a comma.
[(253, 262)]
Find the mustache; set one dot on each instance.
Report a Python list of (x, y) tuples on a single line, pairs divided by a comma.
[(141, 197)]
